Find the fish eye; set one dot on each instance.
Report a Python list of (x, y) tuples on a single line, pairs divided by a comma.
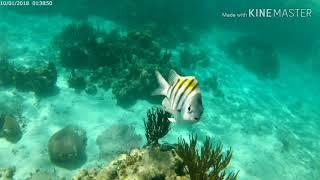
[(189, 109)]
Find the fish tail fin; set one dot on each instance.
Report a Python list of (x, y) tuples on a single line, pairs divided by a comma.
[(164, 86)]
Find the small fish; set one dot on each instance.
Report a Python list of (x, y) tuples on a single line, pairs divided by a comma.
[(183, 97)]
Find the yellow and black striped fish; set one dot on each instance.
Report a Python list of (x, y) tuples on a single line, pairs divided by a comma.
[(183, 97)]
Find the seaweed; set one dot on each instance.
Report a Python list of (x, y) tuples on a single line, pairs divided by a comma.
[(157, 125), (209, 164)]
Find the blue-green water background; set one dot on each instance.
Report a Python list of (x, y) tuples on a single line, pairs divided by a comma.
[(272, 125)]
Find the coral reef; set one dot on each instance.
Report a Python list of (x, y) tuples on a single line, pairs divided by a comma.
[(78, 46), (87, 174), (117, 139), (10, 128), (7, 71), (101, 77), (43, 175), (125, 63), (134, 76), (144, 164), (7, 173), (157, 125), (256, 56), (67, 147), (77, 81), (154, 161), (41, 80), (209, 164)]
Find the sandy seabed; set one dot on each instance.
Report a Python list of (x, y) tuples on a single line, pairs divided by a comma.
[(272, 126)]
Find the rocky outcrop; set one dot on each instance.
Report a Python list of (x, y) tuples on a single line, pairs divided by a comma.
[(151, 162)]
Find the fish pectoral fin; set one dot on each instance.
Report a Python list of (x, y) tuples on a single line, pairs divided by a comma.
[(166, 105), (172, 120), (173, 77)]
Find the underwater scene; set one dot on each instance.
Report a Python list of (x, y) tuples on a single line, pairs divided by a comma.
[(159, 90)]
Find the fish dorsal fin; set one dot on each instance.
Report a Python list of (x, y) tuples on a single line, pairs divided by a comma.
[(164, 86), (173, 77), (166, 105)]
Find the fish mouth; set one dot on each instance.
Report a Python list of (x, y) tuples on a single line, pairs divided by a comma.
[(196, 119)]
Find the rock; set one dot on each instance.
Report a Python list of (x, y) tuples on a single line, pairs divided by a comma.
[(144, 164), (7, 173), (67, 147), (10, 128)]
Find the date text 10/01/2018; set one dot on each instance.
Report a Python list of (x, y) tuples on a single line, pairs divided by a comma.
[(25, 3)]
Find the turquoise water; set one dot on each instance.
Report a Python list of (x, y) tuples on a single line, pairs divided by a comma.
[(260, 93)]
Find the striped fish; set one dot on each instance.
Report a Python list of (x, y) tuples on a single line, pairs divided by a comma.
[(183, 97)]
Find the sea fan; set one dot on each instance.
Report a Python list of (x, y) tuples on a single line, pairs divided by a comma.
[(209, 164), (157, 125)]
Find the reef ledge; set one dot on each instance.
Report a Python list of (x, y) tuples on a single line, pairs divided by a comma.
[(151, 162)]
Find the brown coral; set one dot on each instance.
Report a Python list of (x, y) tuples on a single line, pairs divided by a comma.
[(10, 128), (67, 147), (144, 164)]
